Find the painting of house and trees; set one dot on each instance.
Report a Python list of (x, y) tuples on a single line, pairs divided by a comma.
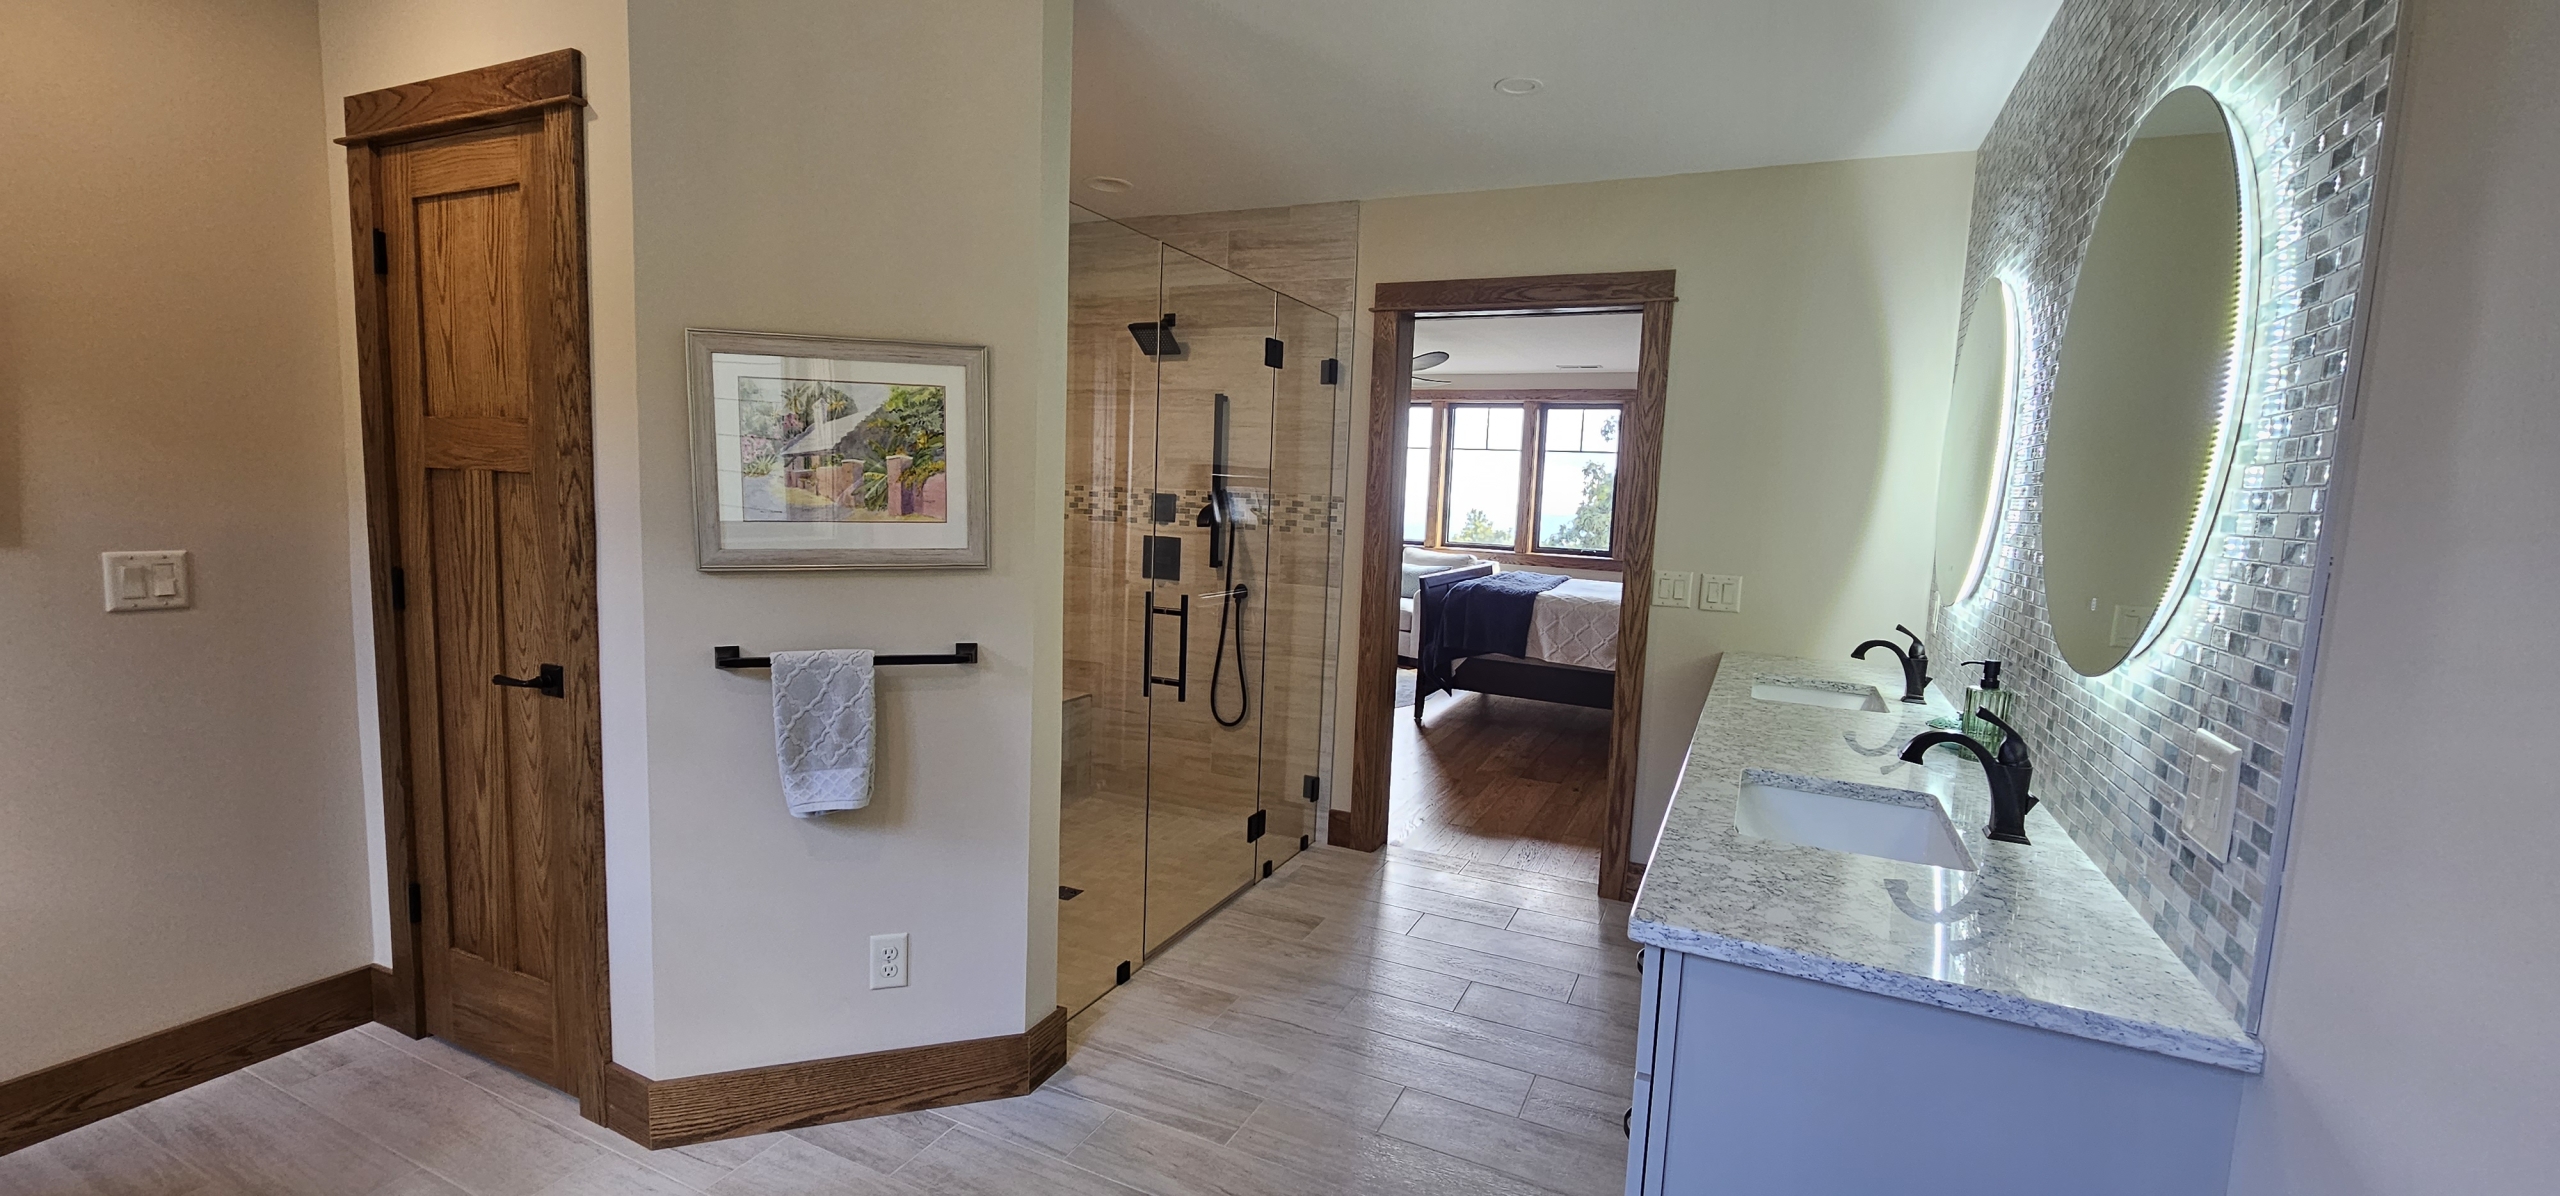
[(841, 452)]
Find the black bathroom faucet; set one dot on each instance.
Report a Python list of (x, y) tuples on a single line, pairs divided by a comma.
[(2009, 771), (1915, 663)]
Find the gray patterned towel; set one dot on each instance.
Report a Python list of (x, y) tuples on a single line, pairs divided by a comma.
[(822, 729)]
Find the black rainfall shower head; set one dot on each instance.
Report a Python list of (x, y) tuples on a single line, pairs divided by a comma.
[(1155, 338)]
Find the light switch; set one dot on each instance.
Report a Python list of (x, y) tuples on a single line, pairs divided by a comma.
[(145, 580), (1673, 589), (2213, 789), (1720, 592)]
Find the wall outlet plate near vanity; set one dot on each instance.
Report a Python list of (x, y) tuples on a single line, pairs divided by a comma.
[(2213, 789)]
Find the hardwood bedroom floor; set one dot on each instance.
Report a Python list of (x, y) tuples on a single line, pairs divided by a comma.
[(1404, 1022), (1503, 781)]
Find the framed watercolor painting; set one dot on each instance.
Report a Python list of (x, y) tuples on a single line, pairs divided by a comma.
[(822, 452)]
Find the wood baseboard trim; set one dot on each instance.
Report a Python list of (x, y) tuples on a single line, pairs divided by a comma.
[(66, 1096), (757, 1100)]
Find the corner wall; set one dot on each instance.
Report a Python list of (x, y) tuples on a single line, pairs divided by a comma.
[(1810, 355), (181, 815), (872, 169), (2411, 1045)]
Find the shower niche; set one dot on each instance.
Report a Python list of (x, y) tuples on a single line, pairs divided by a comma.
[(1201, 594)]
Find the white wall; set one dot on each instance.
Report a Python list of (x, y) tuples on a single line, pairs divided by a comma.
[(1811, 353), (874, 169), (181, 819), (2410, 1024), (369, 44)]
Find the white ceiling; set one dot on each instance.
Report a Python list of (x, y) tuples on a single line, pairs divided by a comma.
[(1208, 105), (1541, 345)]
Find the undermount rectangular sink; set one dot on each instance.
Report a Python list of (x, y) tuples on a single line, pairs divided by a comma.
[(1836, 695), (1896, 824)]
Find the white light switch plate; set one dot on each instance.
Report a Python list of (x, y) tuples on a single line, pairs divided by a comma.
[(146, 580), (2213, 789), (889, 960), (1719, 592), (1673, 589)]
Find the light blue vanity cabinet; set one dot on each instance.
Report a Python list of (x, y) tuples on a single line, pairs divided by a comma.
[(1823, 1020)]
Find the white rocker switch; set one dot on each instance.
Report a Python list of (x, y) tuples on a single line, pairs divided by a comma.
[(146, 580)]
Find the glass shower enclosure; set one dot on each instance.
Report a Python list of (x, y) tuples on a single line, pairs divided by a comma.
[(1202, 577)]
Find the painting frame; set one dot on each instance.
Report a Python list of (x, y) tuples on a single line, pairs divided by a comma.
[(737, 532)]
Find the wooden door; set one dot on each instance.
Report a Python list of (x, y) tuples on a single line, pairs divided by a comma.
[(487, 409)]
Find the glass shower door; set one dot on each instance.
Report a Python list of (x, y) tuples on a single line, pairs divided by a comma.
[(1213, 454), (1298, 521)]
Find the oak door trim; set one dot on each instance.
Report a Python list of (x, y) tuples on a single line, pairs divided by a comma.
[(101, 1084), (756, 1100), (1363, 827), (545, 94)]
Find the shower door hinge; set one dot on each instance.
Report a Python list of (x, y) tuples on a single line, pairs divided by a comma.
[(1303, 842), (1253, 827), (1330, 372), (1266, 869), (1273, 351), (417, 904), (1310, 788), (381, 252), (1122, 976)]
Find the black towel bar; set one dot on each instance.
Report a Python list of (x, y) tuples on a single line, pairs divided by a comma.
[(726, 657)]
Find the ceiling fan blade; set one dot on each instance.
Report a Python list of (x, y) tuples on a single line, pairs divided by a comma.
[(1424, 361)]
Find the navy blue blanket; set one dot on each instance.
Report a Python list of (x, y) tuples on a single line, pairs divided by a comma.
[(1473, 617)]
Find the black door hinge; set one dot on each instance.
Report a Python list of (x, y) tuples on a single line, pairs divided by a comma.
[(1309, 788), (1273, 351), (1303, 841), (1330, 372), (381, 253), (1266, 869), (1123, 975), (1253, 827), (400, 590), (417, 904)]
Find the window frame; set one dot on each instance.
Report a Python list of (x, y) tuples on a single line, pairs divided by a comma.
[(1534, 405)]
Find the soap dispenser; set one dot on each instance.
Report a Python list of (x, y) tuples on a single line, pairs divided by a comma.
[(1985, 696)]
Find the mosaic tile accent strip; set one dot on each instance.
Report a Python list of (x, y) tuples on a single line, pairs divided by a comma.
[(2308, 80), (1303, 514)]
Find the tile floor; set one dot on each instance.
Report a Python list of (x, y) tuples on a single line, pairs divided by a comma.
[(1402, 1023)]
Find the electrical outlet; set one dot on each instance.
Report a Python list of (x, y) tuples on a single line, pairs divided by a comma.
[(1719, 592), (889, 960), (146, 580), (1673, 589), (2213, 789), (2127, 625)]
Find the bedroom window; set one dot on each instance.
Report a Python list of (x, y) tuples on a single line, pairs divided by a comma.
[(1536, 478)]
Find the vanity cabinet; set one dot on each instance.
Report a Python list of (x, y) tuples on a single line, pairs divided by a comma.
[(1754, 1082)]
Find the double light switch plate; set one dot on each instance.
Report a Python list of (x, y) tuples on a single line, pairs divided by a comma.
[(146, 580), (2213, 790)]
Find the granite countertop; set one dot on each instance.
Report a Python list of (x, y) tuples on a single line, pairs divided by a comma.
[(2037, 935)]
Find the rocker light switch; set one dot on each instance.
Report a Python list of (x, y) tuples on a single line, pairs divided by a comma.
[(2213, 788), (1673, 589), (145, 580), (1719, 592)]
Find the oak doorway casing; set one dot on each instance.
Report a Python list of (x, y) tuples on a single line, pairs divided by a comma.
[(1364, 825), (468, 214)]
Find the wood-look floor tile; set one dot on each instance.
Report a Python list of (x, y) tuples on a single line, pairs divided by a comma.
[(1565, 886), (103, 1158), (1605, 934), (1569, 1163), (1607, 992), (614, 1175), (791, 1167), (1197, 1051), (1598, 1115), (245, 1133), (965, 1163), (1050, 1119), (1154, 994), (1166, 1162), (1611, 1030), (1158, 1093), (1460, 1034), (1527, 948), (446, 1124), (1465, 962), (882, 1143), (1402, 1060), (310, 1060)]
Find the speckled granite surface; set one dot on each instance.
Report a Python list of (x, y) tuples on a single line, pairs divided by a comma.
[(2038, 936)]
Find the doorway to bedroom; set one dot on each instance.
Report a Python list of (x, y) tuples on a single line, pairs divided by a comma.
[(1504, 615)]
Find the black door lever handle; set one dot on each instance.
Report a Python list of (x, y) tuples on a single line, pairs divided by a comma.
[(551, 679)]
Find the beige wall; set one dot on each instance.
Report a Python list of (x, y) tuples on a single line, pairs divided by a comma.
[(2411, 1044), (876, 169), (1810, 357), (181, 820)]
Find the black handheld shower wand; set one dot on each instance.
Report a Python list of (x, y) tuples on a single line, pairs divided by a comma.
[(1224, 546)]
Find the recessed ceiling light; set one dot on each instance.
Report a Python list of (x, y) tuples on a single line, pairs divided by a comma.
[(1108, 184), (1517, 85)]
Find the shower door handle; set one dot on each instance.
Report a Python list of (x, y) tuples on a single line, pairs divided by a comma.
[(1181, 678)]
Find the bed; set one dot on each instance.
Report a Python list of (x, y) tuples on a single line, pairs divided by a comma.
[(1569, 636)]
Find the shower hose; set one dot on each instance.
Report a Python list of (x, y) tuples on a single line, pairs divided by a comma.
[(1232, 602)]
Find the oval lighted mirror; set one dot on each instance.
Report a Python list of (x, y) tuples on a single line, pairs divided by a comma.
[(2149, 374), (1973, 461)]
